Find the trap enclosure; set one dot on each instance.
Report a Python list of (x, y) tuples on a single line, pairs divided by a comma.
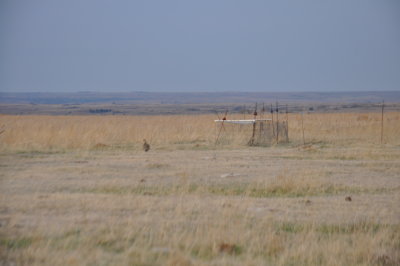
[(252, 132)]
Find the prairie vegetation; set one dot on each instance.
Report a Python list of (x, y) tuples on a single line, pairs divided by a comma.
[(79, 190), (84, 132)]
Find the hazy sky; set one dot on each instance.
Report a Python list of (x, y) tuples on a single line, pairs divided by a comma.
[(202, 45)]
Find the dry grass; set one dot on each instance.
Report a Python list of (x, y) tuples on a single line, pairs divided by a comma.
[(80, 191), (85, 132)]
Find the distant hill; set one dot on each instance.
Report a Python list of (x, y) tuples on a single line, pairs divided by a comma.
[(149, 103), (198, 97)]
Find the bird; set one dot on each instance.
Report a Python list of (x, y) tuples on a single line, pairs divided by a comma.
[(146, 146), (348, 198)]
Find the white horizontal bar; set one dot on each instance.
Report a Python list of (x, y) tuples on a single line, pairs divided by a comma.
[(250, 121)]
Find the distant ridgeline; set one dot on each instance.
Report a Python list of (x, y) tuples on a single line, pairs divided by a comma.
[(152, 103), (198, 97)]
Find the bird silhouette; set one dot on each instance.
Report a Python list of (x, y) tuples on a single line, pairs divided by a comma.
[(146, 146)]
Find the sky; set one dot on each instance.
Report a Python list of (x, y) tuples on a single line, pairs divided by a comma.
[(207, 45)]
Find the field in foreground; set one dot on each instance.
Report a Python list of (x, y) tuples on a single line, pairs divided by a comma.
[(187, 202)]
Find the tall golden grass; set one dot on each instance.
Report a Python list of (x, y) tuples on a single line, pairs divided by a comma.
[(222, 207), (84, 132)]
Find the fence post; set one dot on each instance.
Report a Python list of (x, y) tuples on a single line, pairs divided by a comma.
[(277, 123), (383, 107), (272, 122)]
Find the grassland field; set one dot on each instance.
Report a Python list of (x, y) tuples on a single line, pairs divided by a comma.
[(79, 190)]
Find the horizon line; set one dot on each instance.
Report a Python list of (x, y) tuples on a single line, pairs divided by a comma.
[(191, 92)]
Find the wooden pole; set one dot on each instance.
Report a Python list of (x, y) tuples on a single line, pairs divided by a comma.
[(383, 107), (261, 122), (277, 123), (253, 134), (272, 121), (302, 127), (254, 127)]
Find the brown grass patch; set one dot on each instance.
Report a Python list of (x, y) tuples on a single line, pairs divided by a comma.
[(197, 131)]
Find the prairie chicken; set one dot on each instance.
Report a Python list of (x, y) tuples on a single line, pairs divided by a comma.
[(146, 146)]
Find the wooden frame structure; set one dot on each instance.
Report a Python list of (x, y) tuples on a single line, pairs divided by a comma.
[(263, 131)]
